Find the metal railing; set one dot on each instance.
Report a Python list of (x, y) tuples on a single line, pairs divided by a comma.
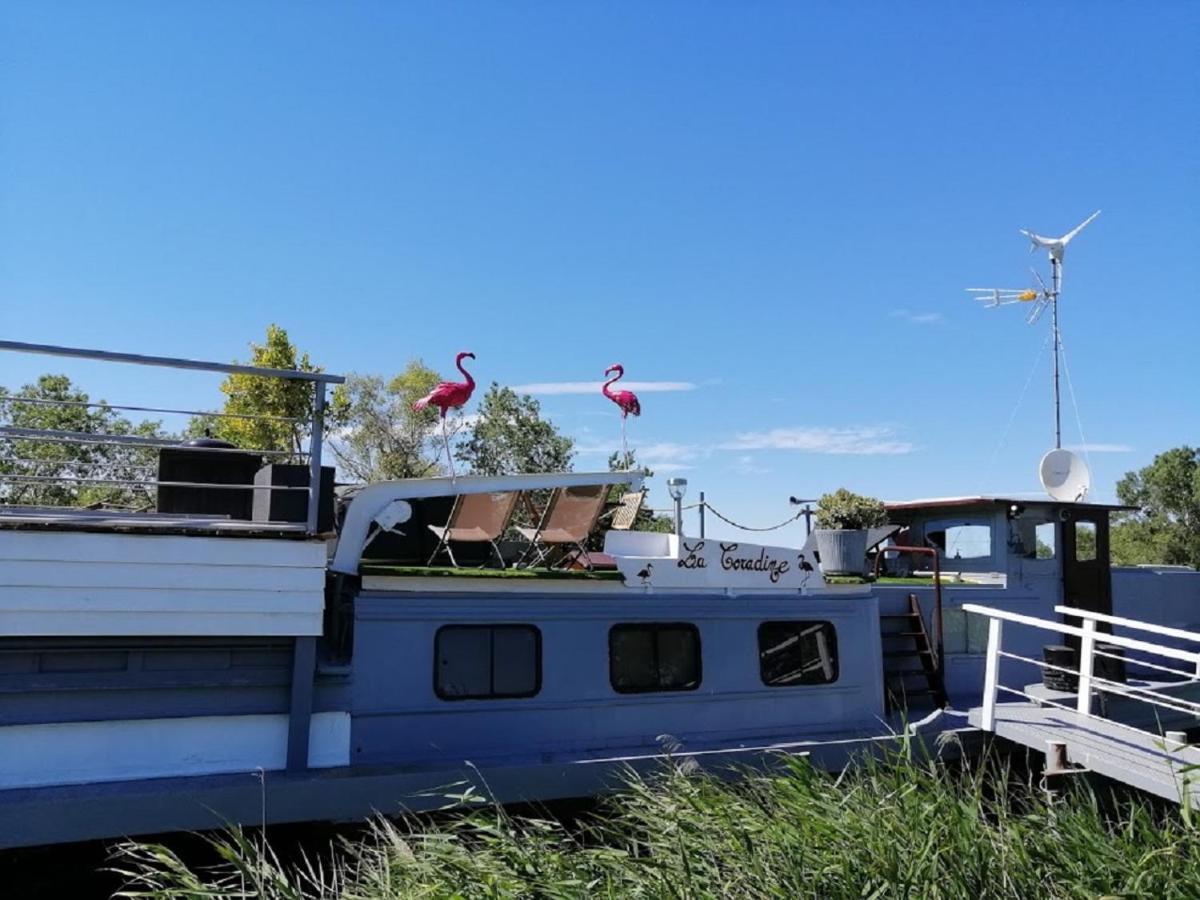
[(79, 472), (1088, 681)]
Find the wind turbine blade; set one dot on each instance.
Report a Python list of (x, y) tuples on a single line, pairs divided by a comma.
[(1037, 311), (1066, 238)]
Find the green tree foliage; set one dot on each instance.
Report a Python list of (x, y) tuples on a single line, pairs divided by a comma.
[(53, 403), (265, 401), (1166, 527), (510, 437), (377, 435)]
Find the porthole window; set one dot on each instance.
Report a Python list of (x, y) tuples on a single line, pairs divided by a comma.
[(652, 657), (485, 662), (794, 653)]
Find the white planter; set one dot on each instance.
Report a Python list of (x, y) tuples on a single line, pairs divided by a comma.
[(843, 551)]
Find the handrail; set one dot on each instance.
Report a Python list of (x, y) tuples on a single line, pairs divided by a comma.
[(1149, 627), (315, 417), (1062, 628), (169, 362), (1087, 653)]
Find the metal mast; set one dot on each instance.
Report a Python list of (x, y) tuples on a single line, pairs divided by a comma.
[(1055, 278)]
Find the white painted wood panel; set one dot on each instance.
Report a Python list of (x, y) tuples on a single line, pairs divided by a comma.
[(160, 623), (61, 583), (154, 548), (73, 574), (135, 749)]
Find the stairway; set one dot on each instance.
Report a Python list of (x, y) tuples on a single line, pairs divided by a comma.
[(910, 673)]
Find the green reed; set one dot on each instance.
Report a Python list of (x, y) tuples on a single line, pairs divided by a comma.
[(899, 827)]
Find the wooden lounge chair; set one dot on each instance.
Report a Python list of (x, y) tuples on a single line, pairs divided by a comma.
[(623, 516), (475, 518), (566, 523)]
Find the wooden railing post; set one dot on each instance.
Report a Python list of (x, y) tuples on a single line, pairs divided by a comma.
[(1087, 648), (991, 675)]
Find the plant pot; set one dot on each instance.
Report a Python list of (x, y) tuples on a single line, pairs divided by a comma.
[(843, 551)]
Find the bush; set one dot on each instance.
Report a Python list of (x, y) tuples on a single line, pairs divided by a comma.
[(843, 509)]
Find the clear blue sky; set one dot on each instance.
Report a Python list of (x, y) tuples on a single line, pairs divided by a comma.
[(778, 204)]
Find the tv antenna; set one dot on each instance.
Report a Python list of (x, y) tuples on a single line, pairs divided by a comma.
[(1042, 297)]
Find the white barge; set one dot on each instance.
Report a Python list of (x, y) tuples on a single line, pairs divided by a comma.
[(250, 660)]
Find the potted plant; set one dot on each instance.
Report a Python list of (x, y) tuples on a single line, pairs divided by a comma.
[(843, 518)]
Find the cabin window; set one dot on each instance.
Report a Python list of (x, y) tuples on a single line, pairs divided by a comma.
[(485, 662), (1045, 540), (962, 539), (791, 653), (654, 657), (1085, 541)]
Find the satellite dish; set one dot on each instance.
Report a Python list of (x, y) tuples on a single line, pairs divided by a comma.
[(1065, 476)]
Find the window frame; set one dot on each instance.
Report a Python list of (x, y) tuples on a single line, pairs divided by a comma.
[(491, 626), (799, 625), (655, 628)]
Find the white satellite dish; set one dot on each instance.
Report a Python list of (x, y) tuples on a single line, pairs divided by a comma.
[(1065, 476)]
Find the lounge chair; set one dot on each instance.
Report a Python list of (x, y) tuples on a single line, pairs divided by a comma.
[(623, 516), (565, 524), (475, 518)]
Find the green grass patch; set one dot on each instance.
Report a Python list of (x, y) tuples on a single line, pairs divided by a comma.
[(407, 571), (897, 829), (904, 581)]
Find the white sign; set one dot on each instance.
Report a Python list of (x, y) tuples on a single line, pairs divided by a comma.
[(700, 562)]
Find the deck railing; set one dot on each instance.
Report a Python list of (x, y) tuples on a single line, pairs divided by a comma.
[(1089, 650), (73, 473)]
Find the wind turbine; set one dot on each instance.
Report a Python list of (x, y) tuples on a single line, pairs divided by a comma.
[(1043, 297)]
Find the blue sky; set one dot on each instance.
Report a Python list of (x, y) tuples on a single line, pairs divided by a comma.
[(775, 206)]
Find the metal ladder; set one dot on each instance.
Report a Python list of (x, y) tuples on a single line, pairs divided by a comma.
[(907, 654)]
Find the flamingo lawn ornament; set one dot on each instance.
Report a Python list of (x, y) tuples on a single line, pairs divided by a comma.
[(627, 400), (447, 396)]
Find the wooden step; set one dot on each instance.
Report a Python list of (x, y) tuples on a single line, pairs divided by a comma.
[(904, 673), (913, 652)]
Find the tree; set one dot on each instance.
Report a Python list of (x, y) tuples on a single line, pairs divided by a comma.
[(377, 435), (53, 403), (510, 437), (1166, 527), (258, 411)]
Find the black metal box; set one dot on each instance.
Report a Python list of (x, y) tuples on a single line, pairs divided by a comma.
[(291, 506), (207, 466)]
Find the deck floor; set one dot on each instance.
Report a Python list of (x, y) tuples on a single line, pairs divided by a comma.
[(1142, 760)]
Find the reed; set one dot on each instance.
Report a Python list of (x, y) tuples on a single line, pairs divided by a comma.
[(900, 827)]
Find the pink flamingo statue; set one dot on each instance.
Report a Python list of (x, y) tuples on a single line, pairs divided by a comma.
[(447, 396), (627, 400)]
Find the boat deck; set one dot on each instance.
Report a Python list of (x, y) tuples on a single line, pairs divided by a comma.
[(1145, 761), (70, 519)]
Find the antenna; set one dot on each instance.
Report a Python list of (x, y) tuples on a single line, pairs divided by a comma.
[(1042, 297)]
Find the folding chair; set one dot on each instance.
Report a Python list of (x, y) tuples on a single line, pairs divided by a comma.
[(569, 518), (623, 516), (475, 518)]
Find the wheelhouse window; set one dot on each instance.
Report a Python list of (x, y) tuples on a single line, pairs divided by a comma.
[(793, 653), (487, 662), (653, 657), (965, 539)]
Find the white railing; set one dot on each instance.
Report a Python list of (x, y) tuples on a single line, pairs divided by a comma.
[(1088, 680)]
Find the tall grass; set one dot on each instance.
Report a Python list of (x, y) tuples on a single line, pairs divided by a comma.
[(898, 828)]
